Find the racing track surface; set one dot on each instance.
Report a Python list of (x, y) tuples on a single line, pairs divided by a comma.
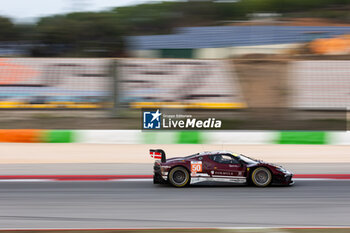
[(137, 204)]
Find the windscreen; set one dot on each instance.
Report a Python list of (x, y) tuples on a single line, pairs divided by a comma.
[(247, 159)]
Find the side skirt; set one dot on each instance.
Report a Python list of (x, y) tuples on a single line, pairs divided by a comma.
[(230, 179)]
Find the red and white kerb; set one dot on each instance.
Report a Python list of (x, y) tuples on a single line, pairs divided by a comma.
[(155, 155)]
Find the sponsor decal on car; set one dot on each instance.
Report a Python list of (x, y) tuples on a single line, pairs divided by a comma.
[(196, 166), (155, 155), (224, 173)]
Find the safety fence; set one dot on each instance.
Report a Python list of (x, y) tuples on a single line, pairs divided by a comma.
[(73, 83), (51, 83), (319, 84), (175, 137)]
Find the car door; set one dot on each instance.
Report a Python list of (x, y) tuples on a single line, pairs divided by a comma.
[(226, 165)]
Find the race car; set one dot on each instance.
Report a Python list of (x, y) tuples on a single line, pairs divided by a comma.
[(217, 166)]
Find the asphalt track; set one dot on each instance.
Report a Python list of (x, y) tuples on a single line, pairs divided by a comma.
[(146, 168), (138, 204)]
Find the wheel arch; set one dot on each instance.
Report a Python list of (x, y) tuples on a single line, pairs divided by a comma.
[(184, 168), (179, 165), (251, 170)]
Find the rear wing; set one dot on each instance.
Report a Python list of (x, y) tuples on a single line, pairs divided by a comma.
[(158, 154)]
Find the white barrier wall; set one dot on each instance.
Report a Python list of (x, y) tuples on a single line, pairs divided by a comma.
[(172, 137)]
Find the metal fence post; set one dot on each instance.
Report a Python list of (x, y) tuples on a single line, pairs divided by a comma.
[(116, 103)]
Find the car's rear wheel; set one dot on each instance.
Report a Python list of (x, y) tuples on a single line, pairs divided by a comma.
[(179, 177), (261, 177)]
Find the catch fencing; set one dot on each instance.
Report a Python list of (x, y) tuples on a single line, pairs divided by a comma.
[(54, 83), (180, 83), (321, 85), (73, 83)]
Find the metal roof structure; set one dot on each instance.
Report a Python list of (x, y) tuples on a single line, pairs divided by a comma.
[(230, 36)]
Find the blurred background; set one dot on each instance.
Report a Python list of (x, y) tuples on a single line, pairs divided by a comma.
[(73, 70), (256, 64)]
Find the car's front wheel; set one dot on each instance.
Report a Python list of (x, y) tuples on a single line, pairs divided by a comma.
[(261, 177), (179, 177)]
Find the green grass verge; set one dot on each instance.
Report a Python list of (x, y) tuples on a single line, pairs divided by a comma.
[(58, 136), (189, 137), (302, 137)]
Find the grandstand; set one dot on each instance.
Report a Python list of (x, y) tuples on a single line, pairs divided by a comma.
[(191, 42)]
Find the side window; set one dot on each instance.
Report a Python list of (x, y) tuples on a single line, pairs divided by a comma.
[(216, 158), (224, 159)]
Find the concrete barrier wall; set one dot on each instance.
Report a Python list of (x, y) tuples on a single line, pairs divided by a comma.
[(174, 137)]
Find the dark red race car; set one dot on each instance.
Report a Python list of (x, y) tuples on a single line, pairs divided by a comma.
[(221, 166)]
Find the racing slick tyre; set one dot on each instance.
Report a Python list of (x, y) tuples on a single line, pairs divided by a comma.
[(179, 177), (261, 177)]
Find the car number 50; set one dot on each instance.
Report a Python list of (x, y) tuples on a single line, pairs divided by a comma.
[(196, 167)]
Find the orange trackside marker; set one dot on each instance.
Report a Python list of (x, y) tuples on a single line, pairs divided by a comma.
[(20, 135)]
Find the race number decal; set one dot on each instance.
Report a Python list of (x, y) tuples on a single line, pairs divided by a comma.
[(196, 166)]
